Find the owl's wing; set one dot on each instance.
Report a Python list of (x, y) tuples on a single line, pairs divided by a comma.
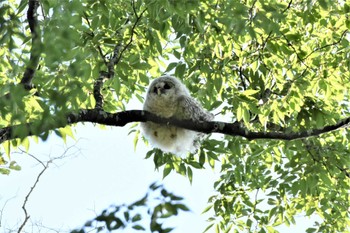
[(189, 108)]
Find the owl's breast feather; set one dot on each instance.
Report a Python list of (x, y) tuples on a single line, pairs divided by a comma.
[(170, 138), (160, 107)]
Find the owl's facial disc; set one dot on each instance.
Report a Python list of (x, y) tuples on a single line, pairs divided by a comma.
[(162, 87)]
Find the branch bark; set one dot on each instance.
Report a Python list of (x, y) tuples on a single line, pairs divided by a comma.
[(122, 118), (35, 49), (97, 89)]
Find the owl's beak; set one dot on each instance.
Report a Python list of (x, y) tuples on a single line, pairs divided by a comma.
[(158, 90)]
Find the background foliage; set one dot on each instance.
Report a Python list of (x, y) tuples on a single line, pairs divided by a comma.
[(272, 65), (158, 204)]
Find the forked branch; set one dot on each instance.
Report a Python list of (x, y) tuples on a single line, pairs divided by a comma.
[(45, 166), (26, 214), (114, 60)]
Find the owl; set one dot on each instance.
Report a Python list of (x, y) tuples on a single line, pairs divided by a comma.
[(168, 97)]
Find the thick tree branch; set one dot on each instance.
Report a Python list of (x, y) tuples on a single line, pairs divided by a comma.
[(113, 61), (97, 89), (122, 118), (35, 49)]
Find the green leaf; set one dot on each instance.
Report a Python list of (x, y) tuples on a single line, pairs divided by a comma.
[(136, 139), (218, 84), (217, 229), (189, 174), (270, 229), (7, 147), (208, 227), (246, 116), (310, 211), (126, 215), (182, 207), (207, 209), (167, 169), (180, 70), (311, 230), (4, 171), (136, 218), (139, 228), (14, 166), (243, 113), (64, 132), (201, 157), (171, 66), (323, 4), (240, 113), (250, 92)]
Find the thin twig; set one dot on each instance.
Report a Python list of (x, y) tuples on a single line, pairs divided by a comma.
[(289, 43), (289, 5), (26, 215), (320, 160), (138, 17), (344, 170), (99, 49), (328, 45), (243, 78), (45, 167), (38, 160), (3, 209)]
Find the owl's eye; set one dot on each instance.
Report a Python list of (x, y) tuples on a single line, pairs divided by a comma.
[(167, 86), (155, 89)]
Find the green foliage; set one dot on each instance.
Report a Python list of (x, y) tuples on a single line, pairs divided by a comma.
[(272, 65), (155, 207), (181, 166)]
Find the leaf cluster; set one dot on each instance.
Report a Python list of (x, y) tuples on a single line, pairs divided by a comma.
[(154, 208)]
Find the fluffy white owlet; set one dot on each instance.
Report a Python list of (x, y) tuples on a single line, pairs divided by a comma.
[(168, 97)]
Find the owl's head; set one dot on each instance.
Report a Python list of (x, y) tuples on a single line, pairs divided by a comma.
[(167, 87), (163, 96)]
